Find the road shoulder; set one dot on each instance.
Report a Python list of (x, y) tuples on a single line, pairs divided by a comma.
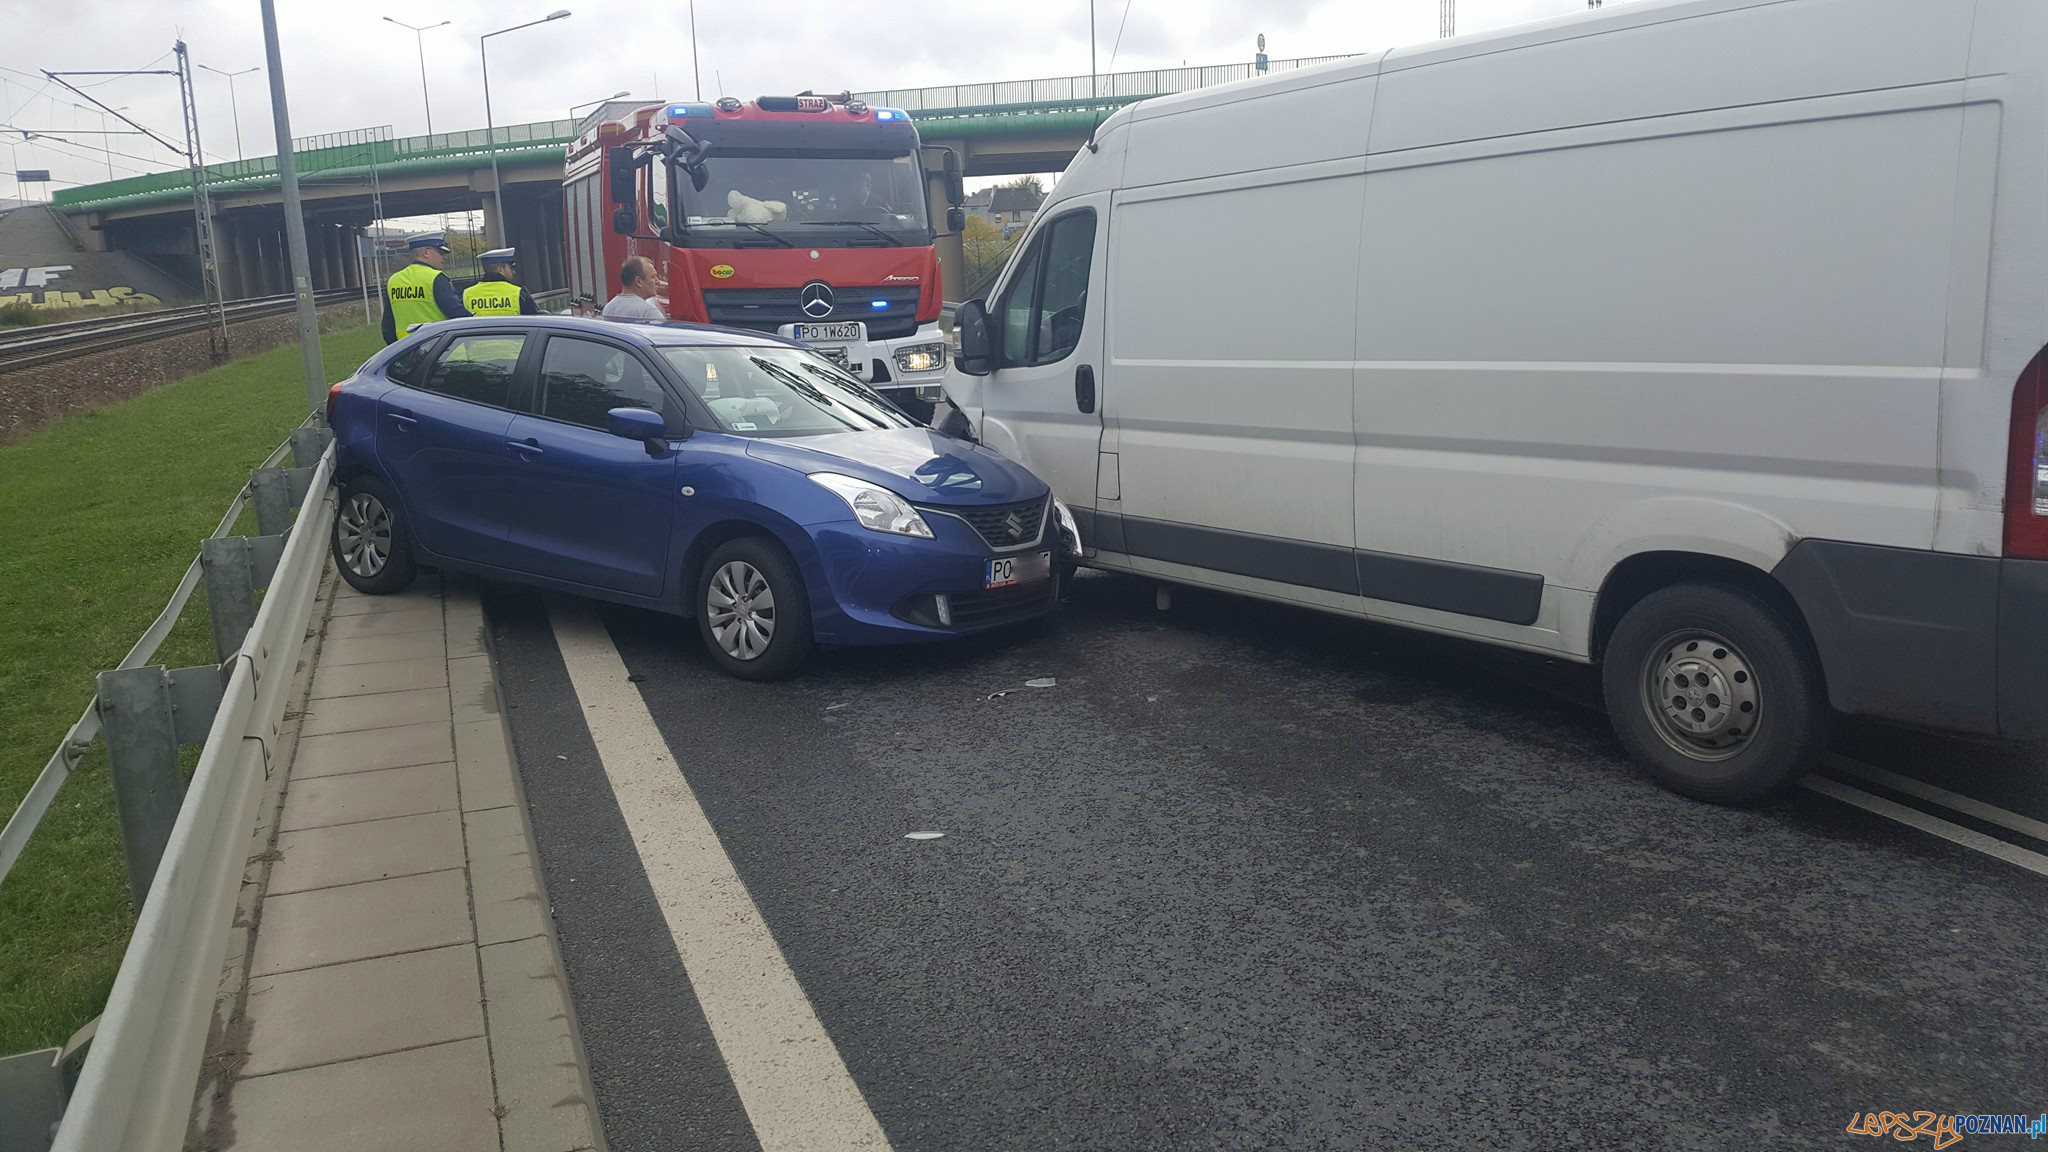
[(395, 978)]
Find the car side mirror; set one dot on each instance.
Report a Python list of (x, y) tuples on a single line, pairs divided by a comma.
[(977, 349), (636, 424)]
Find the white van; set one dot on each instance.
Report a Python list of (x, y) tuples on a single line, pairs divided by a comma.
[(1699, 338)]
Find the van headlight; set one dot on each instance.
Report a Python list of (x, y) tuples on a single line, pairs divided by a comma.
[(876, 507), (921, 357)]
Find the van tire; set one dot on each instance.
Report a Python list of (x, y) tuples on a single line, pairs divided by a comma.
[(748, 566), (371, 541), (1716, 691)]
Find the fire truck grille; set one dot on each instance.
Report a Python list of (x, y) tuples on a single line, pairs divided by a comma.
[(770, 308)]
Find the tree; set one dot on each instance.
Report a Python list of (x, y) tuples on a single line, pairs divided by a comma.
[(1036, 185), (987, 249)]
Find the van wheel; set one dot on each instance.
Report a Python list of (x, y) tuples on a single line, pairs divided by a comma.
[(371, 542), (752, 609), (1716, 692)]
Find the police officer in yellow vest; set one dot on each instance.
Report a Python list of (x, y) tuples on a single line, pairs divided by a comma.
[(420, 292), (499, 293)]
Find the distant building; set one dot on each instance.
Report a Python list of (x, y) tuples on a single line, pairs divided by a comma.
[(1010, 209)]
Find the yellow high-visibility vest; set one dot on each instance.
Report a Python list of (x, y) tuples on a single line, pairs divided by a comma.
[(410, 295), (492, 298)]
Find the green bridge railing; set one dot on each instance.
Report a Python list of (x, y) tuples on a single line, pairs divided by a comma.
[(950, 101), (349, 155), (1002, 106)]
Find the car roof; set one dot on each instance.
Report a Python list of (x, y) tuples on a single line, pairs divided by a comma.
[(663, 334)]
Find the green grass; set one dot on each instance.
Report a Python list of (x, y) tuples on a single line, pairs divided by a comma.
[(100, 514)]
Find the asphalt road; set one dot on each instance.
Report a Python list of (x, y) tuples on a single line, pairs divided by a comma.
[(1252, 878)]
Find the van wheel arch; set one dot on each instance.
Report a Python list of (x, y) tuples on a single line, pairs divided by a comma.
[(1645, 573)]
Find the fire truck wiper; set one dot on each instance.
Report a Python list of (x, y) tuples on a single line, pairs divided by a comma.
[(892, 241), (782, 240)]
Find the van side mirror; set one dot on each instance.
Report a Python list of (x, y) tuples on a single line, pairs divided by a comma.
[(977, 349), (624, 176), (956, 219)]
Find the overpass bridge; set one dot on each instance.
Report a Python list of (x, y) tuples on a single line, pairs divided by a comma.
[(351, 180)]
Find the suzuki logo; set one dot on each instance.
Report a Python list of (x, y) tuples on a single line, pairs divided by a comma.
[(815, 299), (1016, 525)]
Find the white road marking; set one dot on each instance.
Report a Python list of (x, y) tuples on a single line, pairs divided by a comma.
[(1935, 825), (1953, 801), (791, 1079)]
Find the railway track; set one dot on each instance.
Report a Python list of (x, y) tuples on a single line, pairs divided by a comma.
[(49, 343)]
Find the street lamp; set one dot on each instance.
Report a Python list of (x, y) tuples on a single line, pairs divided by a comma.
[(233, 104), (419, 42), (483, 48), (600, 100)]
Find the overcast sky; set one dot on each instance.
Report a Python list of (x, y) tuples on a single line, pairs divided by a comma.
[(348, 69)]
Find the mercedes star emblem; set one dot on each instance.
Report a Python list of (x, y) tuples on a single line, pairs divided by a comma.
[(815, 300)]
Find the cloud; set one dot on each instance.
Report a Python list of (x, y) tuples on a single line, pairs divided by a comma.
[(349, 69)]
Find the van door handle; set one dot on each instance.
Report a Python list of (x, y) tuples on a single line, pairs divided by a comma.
[(528, 447), (404, 420), (1084, 387)]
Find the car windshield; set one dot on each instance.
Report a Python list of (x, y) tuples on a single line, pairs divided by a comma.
[(877, 199), (772, 390)]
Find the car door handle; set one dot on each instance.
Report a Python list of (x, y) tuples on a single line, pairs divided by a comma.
[(404, 420), (528, 447), (1084, 387)]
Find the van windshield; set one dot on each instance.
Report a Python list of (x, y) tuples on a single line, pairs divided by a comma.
[(769, 390)]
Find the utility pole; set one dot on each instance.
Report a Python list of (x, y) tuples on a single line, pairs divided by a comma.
[(1092, 93), (202, 203), (1447, 19), (294, 223), (202, 212)]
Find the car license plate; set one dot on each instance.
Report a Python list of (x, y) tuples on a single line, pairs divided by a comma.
[(828, 333), (1010, 571)]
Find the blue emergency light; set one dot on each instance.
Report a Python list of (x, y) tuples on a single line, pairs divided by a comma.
[(878, 305), (884, 115), (687, 111)]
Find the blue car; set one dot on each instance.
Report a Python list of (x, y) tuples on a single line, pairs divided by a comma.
[(726, 475)]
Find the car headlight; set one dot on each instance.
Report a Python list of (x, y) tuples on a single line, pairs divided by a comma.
[(921, 358), (876, 507), (1068, 528)]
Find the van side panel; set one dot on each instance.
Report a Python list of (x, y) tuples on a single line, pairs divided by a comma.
[(1649, 60), (1718, 326), (1231, 342)]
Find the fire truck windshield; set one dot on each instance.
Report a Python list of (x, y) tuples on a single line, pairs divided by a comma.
[(808, 199)]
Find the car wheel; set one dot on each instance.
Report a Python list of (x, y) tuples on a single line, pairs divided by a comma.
[(372, 545), (752, 609), (1716, 692)]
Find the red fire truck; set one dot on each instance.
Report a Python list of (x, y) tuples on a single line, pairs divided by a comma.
[(806, 216)]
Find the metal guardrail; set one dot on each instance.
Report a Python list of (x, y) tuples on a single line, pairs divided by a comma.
[(186, 844), (1071, 91)]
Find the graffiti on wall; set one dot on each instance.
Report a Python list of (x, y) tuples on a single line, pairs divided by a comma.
[(33, 288)]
